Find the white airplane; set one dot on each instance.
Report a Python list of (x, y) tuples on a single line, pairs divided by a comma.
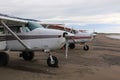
[(80, 36), (17, 34)]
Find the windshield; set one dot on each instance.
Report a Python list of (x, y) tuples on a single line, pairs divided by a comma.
[(33, 25)]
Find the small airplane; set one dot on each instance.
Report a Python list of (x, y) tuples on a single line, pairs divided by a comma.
[(28, 36), (80, 36)]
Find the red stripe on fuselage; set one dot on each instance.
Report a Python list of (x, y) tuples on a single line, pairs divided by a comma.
[(23, 37)]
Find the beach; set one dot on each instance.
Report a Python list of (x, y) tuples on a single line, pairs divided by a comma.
[(101, 62), (114, 36)]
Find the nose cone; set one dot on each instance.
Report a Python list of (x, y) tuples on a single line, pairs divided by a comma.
[(69, 35)]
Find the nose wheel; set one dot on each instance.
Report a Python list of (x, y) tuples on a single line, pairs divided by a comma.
[(86, 47), (52, 61)]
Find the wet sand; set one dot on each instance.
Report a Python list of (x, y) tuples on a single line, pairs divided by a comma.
[(101, 62)]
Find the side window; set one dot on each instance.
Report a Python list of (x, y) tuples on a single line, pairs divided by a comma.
[(27, 29), (33, 25), (14, 29), (18, 30), (24, 29), (2, 31)]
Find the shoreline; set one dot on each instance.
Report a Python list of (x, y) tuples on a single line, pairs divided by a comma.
[(113, 36)]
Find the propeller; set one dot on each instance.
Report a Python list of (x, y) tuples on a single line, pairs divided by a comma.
[(66, 51), (67, 37)]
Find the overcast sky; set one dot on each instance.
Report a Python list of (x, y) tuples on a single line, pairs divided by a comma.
[(65, 11)]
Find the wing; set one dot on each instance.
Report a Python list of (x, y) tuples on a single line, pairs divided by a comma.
[(58, 26), (48, 24), (12, 21), (53, 25)]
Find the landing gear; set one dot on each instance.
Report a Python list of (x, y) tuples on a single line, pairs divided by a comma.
[(4, 58), (27, 55), (52, 61), (71, 45), (86, 47)]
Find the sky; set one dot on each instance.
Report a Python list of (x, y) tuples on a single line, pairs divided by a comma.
[(98, 15)]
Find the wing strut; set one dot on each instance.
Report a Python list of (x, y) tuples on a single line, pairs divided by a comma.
[(22, 43)]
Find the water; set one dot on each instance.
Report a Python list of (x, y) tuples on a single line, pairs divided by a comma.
[(114, 36)]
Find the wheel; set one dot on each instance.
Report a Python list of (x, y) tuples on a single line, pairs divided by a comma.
[(53, 63), (4, 58), (28, 55), (72, 45), (86, 47)]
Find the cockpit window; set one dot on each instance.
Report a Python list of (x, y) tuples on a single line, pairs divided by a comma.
[(33, 25)]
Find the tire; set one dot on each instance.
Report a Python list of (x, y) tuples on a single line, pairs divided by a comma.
[(4, 58), (54, 64), (86, 47), (72, 45), (28, 55)]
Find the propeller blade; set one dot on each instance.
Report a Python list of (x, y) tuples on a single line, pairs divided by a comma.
[(67, 37), (66, 51)]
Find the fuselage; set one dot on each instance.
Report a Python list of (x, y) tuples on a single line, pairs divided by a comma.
[(81, 37), (39, 39), (36, 39)]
